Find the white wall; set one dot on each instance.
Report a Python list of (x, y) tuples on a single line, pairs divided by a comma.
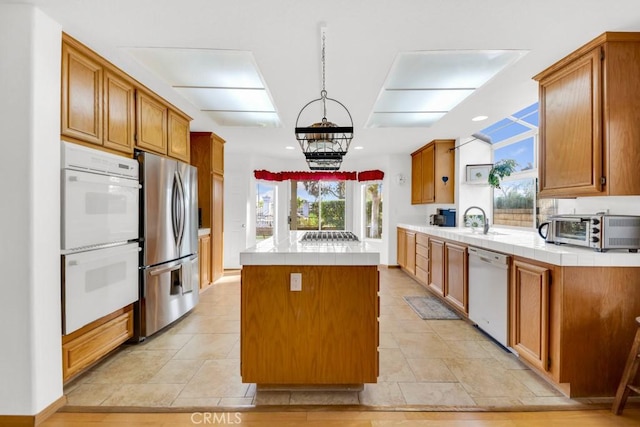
[(620, 205), (30, 360), (473, 153)]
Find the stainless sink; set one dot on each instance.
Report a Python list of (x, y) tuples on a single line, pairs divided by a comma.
[(478, 231)]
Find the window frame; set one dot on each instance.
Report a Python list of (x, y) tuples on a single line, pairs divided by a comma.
[(363, 190), (532, 173), (294, 195)]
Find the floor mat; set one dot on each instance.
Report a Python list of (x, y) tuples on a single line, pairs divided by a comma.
[(427, 307)]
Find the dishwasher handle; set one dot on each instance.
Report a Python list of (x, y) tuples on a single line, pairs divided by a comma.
[(489, 257)]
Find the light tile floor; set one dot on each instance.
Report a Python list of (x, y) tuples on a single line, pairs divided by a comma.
[(196, 363)]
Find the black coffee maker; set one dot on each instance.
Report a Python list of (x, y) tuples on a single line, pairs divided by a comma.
[(443, 218)]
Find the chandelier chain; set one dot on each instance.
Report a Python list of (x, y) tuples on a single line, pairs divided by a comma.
[(323, 93), (323, 64)]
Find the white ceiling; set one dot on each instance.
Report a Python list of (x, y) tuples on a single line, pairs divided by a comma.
[(363, 39)]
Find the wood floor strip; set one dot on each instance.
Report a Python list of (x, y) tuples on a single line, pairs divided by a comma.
[(596, 417)]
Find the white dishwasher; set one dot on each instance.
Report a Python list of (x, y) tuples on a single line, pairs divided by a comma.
[(488, 292)]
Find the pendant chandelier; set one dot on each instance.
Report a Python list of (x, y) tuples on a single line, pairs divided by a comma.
[(324, 143)]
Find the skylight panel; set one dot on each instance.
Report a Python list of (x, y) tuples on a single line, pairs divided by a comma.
[(226, 84), (434, 82)]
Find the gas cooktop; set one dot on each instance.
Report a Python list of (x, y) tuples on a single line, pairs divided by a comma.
[(329, 236)]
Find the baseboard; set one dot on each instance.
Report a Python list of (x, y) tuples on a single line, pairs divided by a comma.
[(32, 420)]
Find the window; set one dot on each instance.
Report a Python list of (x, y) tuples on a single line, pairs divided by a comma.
[(320, 205), (515, 137), (265, 210), (372, 208)]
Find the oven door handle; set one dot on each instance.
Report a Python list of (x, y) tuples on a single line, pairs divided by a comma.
[(105, 180)]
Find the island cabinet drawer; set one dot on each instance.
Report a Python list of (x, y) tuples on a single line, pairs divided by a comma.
[(422, 275), (422, 251), (422, 262), (422, 240)]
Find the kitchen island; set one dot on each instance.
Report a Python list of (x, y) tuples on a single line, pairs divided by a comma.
[(309, 313)]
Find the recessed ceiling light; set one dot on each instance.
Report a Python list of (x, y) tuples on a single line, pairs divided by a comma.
[(359, 147), (289, 147), (479, 118)]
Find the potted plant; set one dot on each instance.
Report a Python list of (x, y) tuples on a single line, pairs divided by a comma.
[(499, 170)]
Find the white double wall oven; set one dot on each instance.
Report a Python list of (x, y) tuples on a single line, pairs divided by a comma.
[(100, 237)]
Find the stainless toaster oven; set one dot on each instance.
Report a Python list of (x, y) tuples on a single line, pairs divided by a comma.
[(600, 232)]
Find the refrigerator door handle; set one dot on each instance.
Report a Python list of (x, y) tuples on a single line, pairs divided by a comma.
[(181, 210), (177, 210)]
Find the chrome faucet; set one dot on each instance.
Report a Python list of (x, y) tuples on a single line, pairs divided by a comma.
[(485, 229)]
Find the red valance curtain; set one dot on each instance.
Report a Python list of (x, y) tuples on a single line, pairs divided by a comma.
[(372, 175)]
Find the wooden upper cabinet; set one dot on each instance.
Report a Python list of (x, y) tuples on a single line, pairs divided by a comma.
[(429, 165), (416, 178), (81, 97), (151, 122), (589, 119), (103, 106), (529, 318), (571, 154), (119, 112), (428, 174), (178, 136), (217, 162)]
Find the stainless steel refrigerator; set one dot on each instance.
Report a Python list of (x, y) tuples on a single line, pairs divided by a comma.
[(169, 272)]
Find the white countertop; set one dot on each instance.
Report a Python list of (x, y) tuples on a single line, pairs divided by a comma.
[(287, 249), (529, 244), (204, 231)]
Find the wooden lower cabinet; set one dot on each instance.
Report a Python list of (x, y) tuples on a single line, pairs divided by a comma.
[(217, 227), (402, 247), (411, 252), (407, 250), (436, 265), (91, 343), (204, 248), (574, 325), (456, 289), (422, 258), (439, 264), (207, 154), (529, 317), (327, 333)]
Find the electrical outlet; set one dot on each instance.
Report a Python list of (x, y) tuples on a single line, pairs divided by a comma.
[(296, 282)]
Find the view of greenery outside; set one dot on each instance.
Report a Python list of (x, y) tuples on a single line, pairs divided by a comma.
[(516, 203), (373, 210), (513, 203), (321, 205)]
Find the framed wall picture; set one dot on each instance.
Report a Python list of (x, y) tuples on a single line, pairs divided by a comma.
[(478, 174)]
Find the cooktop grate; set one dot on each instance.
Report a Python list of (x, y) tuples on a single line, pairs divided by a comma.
[(329, 236)]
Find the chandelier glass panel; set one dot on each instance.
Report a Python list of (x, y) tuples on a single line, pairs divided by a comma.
[(324, 143)]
